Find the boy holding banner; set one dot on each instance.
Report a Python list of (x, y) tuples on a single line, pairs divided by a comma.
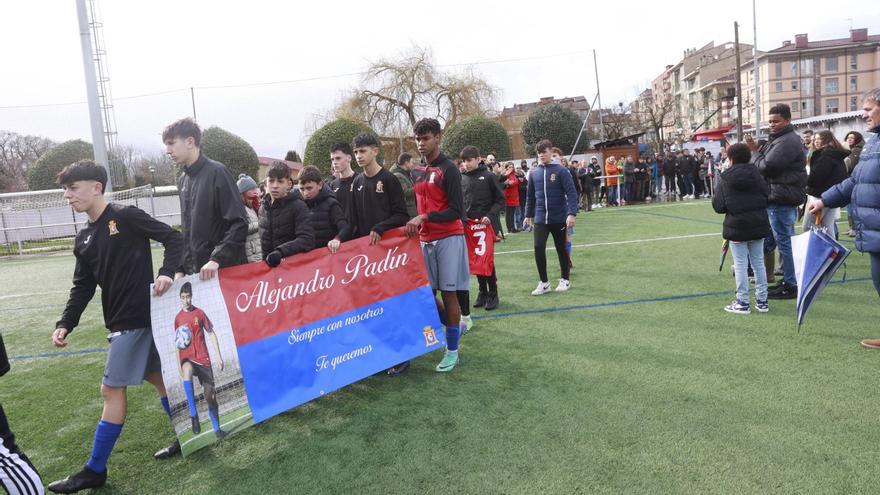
[(285, 228), (113, 251), (441, 230)]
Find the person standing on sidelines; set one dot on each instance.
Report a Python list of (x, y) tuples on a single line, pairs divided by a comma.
[(511, 197), (482, 197), (440, 228), (113, 252), (340, 164), (403, 171), (551, 207), (17, 475)]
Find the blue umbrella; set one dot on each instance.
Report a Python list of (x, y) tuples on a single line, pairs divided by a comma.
[(817, 256)]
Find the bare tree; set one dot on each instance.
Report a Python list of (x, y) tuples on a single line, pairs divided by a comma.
[(395, 93), (17, 154), (656, 116)]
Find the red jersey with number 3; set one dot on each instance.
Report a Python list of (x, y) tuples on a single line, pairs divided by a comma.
[(196, 322), (481, 247)]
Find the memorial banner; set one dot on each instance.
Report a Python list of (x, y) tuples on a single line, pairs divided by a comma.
[(257, 341)]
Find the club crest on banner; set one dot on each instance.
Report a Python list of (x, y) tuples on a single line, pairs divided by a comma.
[(430, 336)]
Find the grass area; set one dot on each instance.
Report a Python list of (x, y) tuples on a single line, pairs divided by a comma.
[(646, 385)]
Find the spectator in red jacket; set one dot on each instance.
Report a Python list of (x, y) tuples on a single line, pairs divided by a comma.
[(511, 197)]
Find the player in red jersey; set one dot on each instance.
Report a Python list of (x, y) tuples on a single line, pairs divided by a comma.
[(440, 228), (190, 326)]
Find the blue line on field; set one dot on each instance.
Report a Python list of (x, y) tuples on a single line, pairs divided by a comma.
[(500, 315), (643, 212)]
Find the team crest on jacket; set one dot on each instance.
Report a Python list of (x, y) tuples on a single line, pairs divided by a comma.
[(380, 188), (112, 226), (552, 177), (430, 336)]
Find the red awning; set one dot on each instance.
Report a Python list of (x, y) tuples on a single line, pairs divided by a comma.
[(716, 134)]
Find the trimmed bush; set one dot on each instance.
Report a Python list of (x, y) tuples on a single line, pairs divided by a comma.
[(487, 135), (42, 174), (293, 156), (338, 131), (227, 148), (558, 124)]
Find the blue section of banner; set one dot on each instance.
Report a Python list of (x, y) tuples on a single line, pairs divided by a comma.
[(293, 367)]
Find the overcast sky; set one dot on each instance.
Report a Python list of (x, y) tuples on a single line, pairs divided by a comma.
[(527, 49)]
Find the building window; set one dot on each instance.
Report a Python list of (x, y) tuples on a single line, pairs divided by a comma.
[(807, 66), (831, 105), (831, 87), (803, 105), (853, 103), (778, 69), (854, 84), (853, 61), (794, 85), (779, 87), (794, 68), (795, 107), (830, 64)]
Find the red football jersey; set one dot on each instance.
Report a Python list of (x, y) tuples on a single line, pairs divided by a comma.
[(197, 323), (481, 247), (430, 184)]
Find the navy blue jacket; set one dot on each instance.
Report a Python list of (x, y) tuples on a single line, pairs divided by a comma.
[(551, 195), (862, 190)]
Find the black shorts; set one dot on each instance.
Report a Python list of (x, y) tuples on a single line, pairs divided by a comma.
[(205, 373)]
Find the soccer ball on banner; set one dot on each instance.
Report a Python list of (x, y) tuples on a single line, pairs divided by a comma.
[(182, 337)]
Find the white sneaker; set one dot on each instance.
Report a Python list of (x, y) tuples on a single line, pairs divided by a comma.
[(563, 286), (543, 288), (466, 323)]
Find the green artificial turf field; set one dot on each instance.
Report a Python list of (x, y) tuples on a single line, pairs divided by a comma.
[(635, 381)]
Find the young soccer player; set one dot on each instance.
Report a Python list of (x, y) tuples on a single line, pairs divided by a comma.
[(285, 228), (551, 206), (190, 326), (440, 228), (325, 213), (340, 164), (113, 251), (482, 196), (741, 194), (17, 475), (376, 204)]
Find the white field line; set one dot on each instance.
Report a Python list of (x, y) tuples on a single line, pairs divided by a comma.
[(616, 243), (32, 294)]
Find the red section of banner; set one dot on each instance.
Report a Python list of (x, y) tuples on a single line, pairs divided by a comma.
[(304, 288)]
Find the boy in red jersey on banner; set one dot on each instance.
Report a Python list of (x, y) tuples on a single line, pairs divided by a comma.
[(440, 228), (190, 326), (483, 197)]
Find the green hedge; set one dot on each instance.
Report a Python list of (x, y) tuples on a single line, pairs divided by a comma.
[(558, 124), (339, 131), (234, 152), (42, 174), (487, 135)]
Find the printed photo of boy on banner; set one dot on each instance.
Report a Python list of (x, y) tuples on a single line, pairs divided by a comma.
[(257, 341)]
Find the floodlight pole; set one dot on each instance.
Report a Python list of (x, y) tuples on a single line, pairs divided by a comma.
[(757, 76), (98, 142)]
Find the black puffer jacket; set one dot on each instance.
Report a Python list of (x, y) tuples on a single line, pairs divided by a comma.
[(285, 226), (326, 216), (742, 194), (482, 193), (669, 166), (783, 163), (826, 169)]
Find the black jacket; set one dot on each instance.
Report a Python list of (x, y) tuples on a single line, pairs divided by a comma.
[(782, 162), (326, 216), (376, 205), (113, 252), (482, 193), (212, 217), (826, 169), (742, 194), (687, 165), (669, 166), (285, 226)]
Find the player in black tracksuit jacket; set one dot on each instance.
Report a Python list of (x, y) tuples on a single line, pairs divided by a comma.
[(285, 227), (483, 197)]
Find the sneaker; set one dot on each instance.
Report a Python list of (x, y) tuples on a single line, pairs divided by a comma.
[(785, 292), (450, 359), (79, 481), (481, 299), (196, 426), (492, 301), (221, 434), (168, 452), (542, 288), (762, 306), (738, 307), (465, 324), (563, 286), (851, 233)]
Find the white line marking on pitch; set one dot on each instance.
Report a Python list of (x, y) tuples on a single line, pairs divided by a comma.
[(12, 296), (615, 243)]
